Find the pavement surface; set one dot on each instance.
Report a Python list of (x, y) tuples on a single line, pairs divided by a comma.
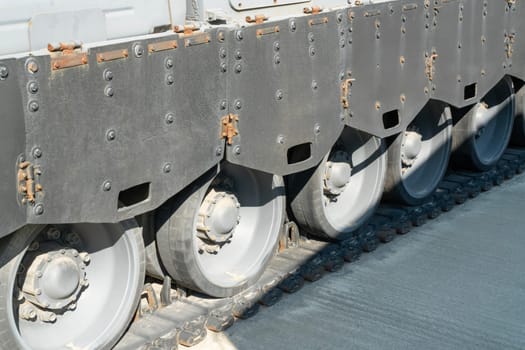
[(458, 282)]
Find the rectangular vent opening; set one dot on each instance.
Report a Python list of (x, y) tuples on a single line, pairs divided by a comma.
[(470, 91), (299, 153), (133, 195), (391, 119)]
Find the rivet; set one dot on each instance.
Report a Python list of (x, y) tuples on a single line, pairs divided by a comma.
[(378, 105), (222, 52), (106, 186), (279, 95), (237, 104), (218, 151), (311, 37), (138, 50), (33, 106), (378, 35), (317, 129), (237, 150), (223, 67), (111, 135), (108, 91), (277, 59), (281, 139), (4, 72), (32, 66), (37, 152), (169, 63), (402, 59), (166, 168), (312, 51), (223, 104), (169, 79), (402, 98), (339, 17), (276, 46), (314, 85), (38, 274), (220, 36), (239, 35), (39, 210), (32, 87), (238, 68), (169, 118), (238, 54), (38, 291), (292, 25), (108, 75)]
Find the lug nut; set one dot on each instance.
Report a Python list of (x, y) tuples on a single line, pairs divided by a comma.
[(85, 257)]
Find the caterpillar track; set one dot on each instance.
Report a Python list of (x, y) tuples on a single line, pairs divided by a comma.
[(171, 317)]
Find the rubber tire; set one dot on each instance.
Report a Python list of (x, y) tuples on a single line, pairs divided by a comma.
[(12, 250), (395, 190), (175, 241), (518, 132), (464, 154), (305, 190)]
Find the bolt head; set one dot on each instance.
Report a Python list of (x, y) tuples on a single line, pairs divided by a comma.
[(106, 186), (38, 291), (218, 151), (170, 79), (37, 152), (166, 168), (138, 50), (224, 68), (33, 106), (239, 35), (108, 75), (111, 135), (237, 150), (169, 62), (222, 52), (276, 46), (238, 104), (223, 105), (108, 91), (277, 59), (32, 87), (169, 118), (32, 66), (238, 54), (279, 95), (238, 68), (292, 25), (312, 51), (4, 72)]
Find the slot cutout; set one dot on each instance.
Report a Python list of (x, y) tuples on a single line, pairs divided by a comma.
[(133, 195)]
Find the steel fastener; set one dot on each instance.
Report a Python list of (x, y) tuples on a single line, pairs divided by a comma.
[(33, 106), (32, 87), (106, 186), (37, 152), (138, 50), (4, 72), (166, 168), (38, 210), (108, 75), (111, 135)]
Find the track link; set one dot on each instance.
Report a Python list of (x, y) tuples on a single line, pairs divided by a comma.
[(183, 318)]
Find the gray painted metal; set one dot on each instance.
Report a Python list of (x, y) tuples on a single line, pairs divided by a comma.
[(287, 84), (12, 143), (94, 133), (136, 128)]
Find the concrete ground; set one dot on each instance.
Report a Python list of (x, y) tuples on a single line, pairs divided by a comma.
[(458, 282)]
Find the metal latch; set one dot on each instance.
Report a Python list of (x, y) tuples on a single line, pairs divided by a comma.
[(229, 127), (429, 65), (66, 54), (257, 19), (345, 90), (28, 185)]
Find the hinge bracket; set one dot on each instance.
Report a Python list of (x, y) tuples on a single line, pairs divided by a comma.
[(28, 185), (229, 127)]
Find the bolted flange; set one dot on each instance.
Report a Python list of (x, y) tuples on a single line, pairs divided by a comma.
[(338, 172), (410, 147), (218, 217)]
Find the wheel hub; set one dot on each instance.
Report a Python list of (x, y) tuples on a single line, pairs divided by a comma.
[(54, 280), (410, 147), (218, 218), (337, 174)]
